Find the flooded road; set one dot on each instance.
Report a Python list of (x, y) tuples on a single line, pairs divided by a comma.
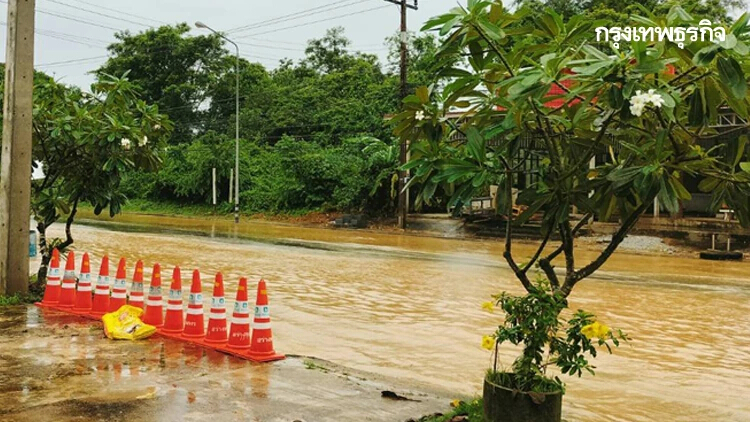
[(409, 307)]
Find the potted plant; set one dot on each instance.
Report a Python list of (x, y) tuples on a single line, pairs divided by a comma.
[(605, 127), (525, 392)]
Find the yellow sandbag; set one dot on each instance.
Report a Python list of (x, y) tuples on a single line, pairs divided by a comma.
[(125, 324)]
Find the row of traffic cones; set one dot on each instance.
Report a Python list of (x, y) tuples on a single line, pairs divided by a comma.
[(76, 298)]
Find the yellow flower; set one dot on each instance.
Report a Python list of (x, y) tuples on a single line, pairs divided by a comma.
[(488, 342), (455, 403), (595, 330), (488, 306)]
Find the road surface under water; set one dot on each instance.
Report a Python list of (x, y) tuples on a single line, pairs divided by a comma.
[(409, 307)]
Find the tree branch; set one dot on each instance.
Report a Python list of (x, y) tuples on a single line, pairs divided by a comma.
[(695, 79), (682, 75), (521, 275), (617, 238), (567, 245), (577, 227), (538, 251), (69, 222)]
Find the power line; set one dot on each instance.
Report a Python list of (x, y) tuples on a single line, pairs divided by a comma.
[(314, 22), (287, 16), (74, 36), (71, 18), (82, 9), (121, 12), (73, 61), (271, 47), (61, 36)]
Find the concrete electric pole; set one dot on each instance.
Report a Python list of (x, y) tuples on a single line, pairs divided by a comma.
[(15, 160), (403, 199)]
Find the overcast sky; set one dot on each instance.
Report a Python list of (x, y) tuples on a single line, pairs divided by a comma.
[(72, 35)]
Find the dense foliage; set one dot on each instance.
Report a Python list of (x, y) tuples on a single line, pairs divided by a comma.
[(306, 128), (84, 143)]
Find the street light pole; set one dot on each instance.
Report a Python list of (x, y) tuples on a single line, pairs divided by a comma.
[(236, 120)]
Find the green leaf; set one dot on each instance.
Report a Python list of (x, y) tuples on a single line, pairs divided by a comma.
[(745, 166), (709, 184), (740, 25), (437, 21), (706, 55), (491, 30), (423, 93), (741, 143), (475, 144), (449, 25), (732, 76), (660, 137), (696, 113), (650, 66)]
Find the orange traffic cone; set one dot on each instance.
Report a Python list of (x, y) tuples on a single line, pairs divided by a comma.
[(52, 290), (239, 331), (173, 322), (119, 289), (194, 318), (83, 293), (261, 345), (136, 287), (68, 288), (153, 314), (101, 294), (217, 318)]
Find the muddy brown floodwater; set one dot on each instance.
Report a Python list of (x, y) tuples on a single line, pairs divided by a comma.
[(409, 307)]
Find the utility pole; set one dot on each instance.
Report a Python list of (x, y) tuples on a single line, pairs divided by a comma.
[(403, 176), (236, 120), (15, 163)]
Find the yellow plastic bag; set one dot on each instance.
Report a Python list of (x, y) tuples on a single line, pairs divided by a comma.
[(125, 324)]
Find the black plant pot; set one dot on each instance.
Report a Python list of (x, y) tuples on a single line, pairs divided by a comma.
[(502, 404)]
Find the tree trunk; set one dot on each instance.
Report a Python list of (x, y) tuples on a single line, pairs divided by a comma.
[(69, 222), (41, 274)]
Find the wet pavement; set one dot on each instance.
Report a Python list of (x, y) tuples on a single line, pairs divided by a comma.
[(57, 367), (408, 308)]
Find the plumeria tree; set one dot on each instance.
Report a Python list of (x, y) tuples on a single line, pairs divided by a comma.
[(650, 107), (84, 142)]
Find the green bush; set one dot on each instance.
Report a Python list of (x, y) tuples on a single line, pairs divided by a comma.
[(291, 176)]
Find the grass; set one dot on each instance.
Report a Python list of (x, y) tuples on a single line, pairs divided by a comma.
[(34, 295), (473, 410), (144, 206)]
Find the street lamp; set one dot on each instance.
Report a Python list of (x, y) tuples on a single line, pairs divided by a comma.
[(236, 123)]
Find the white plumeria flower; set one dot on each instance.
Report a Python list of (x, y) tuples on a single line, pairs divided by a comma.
[(125, 142), (143, 141), (640, 100), (637, 109), (656, 99), (419, 115)]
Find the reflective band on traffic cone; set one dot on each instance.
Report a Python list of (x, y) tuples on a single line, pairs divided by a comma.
[(239, 331), (173, 322), (217, 317), (52, 290), (119, 289), (136, 287), (194, 318), (261, 345), (153, 310), (101, 293), (83, 293), (68, 288)]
